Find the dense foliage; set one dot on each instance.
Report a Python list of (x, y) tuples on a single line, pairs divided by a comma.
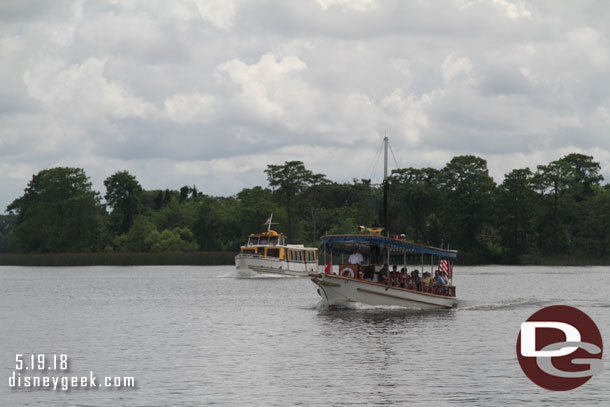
[(58, 212), (558, 209)]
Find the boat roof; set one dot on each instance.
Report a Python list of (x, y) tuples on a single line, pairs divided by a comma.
[(271, 233), (300, 246), (287, 246), (363, 243)]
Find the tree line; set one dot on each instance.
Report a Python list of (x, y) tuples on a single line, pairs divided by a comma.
[(558, 209)]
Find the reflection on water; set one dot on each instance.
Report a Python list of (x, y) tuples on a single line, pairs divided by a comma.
[(203, 335), (396, 317)]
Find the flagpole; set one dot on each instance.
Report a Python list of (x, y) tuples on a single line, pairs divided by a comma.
[(270, 220)]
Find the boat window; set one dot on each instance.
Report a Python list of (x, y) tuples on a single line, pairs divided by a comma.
[(291, 254), (249, 251), (264, 240), (273, 240), (253, 240), (273, 252), (300, 255)]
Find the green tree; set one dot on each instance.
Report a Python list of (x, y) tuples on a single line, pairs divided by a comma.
[(176, 215), (123, 194), (468, 203), (7, 222), (415, 190), (516, 208), (289, 180), (58, 212), (565, 185), (582, 173), (184, 193), (207, 228), (594, 225), (138, 238), (177, 239), (255, 206), (158, 201)]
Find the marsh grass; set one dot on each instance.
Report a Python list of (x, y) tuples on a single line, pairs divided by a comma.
[(118, 259)]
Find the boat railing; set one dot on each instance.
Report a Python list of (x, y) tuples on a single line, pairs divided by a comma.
[(251, 255), (396, 279)]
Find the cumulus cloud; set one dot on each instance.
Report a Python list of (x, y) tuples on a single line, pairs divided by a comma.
[(267, 87), (209, 92)]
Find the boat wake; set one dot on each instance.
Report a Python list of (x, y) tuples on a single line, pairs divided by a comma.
[(508, 304), (358, 306), (248, 274)]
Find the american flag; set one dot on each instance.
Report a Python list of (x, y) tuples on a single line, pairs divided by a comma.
[(445, 266), (268, 221)]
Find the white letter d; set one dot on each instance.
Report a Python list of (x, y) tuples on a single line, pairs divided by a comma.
[(528, 338)]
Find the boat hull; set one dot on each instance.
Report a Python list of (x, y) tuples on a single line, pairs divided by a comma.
[(269, 265), (340, 291)]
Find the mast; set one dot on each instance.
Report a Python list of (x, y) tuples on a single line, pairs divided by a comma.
[(385, 186)]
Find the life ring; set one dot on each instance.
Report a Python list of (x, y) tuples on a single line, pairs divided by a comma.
[(347, 272)]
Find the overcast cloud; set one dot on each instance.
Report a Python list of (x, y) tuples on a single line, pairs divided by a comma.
[(208, 93)]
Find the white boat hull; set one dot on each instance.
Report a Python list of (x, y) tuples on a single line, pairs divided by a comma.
[(270, 265), (340, 291)]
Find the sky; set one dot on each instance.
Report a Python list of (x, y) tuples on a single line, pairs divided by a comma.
[(208, 93)]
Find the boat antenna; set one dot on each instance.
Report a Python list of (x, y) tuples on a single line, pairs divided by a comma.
[(385, 185)]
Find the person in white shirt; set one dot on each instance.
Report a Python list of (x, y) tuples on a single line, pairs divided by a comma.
[(355, 258)]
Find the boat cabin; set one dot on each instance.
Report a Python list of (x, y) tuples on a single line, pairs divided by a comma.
[(270, 238), (273, 245)]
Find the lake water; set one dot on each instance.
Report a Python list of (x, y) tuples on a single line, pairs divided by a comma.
[(193, 336)]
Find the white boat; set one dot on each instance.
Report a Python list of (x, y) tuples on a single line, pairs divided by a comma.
[(360, 283), (268, 253)]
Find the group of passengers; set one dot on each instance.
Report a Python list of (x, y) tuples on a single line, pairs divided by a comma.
[(411, 280), (402, 278)]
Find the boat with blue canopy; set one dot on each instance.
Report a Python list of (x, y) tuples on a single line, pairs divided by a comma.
[(384, 270), (407, 283)]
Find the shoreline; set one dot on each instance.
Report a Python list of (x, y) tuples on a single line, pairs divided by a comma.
[(227, 258)]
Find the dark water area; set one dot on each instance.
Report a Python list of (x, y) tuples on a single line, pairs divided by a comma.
[(193, 336)]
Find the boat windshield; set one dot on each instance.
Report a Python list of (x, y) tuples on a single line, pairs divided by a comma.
[(266, 240)]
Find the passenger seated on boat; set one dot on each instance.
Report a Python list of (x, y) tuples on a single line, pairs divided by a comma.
[(438, 283), (415, 280), (382, 277), (394, 275), (403, 277), (437, 278), (445, 287)]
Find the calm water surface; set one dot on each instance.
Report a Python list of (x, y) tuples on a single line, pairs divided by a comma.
[(196, 336)]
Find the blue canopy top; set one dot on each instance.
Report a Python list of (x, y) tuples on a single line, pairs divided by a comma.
[(346, 244)]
